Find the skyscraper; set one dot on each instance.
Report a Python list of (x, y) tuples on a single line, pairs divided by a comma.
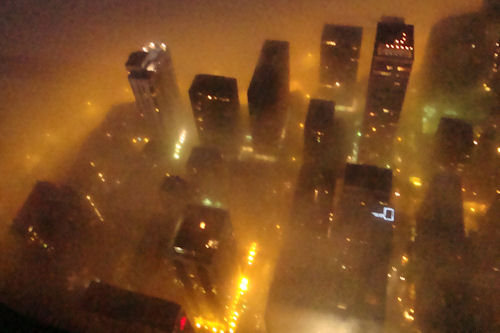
[(453, 142), (215, 104), (313, 199), (391, 66), (152, 79), (441, 274), (206, 169), (56, 219), (268, 96), (204, 254), (339, 55), (362, 233), (461, 67), (319, 132)]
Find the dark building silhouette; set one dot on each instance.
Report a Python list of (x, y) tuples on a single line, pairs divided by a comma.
[(319, 133), (215, 104), (441, 278), (207, 171), (485, 156), (391, 66), (204, 253), (13, 321), (453, 142), (460, 69), (268, 96), (56, 219), (175, 194), (119, 309), (362, 233), (339, 55), (485, 263), (313, 199), (152, 79)]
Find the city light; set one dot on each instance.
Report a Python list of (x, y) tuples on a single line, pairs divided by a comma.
[(237, 305), (416, 181), (178, 145), (386, 215), (97, 212)]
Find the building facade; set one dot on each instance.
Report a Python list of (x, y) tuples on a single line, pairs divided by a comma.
[(215, 104), (391, 66), (339, 55), (268, 96), (154, 85)]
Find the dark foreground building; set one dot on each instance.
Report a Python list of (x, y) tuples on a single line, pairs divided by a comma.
[(391, 66), (121, 310), (268, 96)]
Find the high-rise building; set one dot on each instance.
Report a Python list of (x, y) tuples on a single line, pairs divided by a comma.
[(56, 219), (319, 132), (207, 171), (391, 66), (152, 79), (339, 55), (453, 142), (204, 253), (118, 309), (313, 199), (460, 70), (215, 104), (362, 232), (268, 96), (441, 277)]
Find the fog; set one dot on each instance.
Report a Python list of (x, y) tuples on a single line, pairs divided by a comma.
[(63, 80)]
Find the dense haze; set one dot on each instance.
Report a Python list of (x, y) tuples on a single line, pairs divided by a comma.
[(62, 61), (67, 116)]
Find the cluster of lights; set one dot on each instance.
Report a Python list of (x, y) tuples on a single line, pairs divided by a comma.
[(178, 145), (101, 177), (235, 309), (215, 98), (153, 46), (89, 198), (33, 236), (399, 44), (251, 253), (140, 139)]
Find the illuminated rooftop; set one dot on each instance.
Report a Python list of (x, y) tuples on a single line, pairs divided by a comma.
[(201, 231)]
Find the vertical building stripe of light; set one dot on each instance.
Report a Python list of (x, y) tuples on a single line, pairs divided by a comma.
[(179, 144)]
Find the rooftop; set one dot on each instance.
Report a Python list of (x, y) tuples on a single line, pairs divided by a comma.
[(320, 113), (369, 177), (332, 32), (214, 85), (124, 305), (203, 157), (201, 230)]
